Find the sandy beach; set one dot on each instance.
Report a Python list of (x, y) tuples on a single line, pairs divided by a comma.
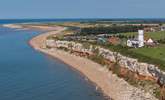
[(110, 84)]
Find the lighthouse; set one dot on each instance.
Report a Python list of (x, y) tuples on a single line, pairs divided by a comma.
[(141, 38)]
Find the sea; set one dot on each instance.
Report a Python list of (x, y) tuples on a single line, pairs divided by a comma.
[(26, 74)]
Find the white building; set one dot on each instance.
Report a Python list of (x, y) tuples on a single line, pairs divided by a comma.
[(139, 42), (149, 41), (162, 28), (132, 43)]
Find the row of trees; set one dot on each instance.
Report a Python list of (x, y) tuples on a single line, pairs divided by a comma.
[(109, 30), (122, 36)]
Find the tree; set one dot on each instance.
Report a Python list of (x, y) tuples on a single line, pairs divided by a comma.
[(109, 30)]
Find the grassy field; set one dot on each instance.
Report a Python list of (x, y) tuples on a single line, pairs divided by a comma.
[(154, 35), (155, 53)]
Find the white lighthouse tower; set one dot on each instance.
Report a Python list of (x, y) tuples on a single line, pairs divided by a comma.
[(141, 38)]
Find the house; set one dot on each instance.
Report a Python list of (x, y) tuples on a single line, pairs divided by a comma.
[(150, 42), (114, 40), (162, 28), (103, 35), (147, 29), (101, 40), (152, 29), (133, 43)]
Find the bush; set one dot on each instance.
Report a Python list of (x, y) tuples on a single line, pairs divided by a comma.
[(98, 58)]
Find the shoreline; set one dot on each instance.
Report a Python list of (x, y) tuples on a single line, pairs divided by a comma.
[(110, 84), (100, 91)]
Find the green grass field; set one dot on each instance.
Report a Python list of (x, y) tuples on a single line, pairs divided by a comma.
[(151, 55), (156, 53), (153, 35)]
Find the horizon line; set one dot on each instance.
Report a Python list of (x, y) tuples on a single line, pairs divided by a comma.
[(80, 18)]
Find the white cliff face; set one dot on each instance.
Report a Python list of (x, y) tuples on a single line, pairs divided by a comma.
[(132, 64), (70, 45)]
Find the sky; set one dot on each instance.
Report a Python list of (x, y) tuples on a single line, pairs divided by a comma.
[(11, 9)]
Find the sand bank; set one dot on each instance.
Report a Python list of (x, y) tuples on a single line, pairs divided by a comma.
[(12, 26)]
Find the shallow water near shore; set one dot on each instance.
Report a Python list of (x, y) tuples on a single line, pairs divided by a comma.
[(26, 74)]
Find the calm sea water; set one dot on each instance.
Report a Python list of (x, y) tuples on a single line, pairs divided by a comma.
[(26, 74), (10, 21)]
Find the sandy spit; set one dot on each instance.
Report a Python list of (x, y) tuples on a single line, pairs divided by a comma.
[(12, 26)]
